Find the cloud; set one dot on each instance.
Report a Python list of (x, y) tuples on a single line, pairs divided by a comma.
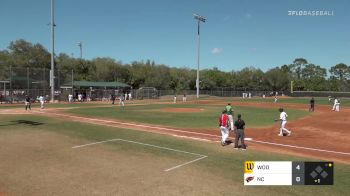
[(217, 50)]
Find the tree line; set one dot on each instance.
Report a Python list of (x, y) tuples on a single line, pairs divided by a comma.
[(305, 75)]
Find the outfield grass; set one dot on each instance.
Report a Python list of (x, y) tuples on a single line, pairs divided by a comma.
[(207, 118), (223, 162)]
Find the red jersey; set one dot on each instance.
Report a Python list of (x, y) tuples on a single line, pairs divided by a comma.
[(223, 120)]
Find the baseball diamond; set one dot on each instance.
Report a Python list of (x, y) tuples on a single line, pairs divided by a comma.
[(172, 98), (173, 147)]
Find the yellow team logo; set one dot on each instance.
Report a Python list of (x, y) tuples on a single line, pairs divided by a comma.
[(248, 167)]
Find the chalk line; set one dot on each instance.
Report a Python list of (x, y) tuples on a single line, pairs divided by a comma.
[(150, 145)]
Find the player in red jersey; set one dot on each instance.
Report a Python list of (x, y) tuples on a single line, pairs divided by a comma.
[(224, 124)]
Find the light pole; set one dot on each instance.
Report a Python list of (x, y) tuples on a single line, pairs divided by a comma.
[(52, 72), (199, 19), (80, 45), (28, 80)]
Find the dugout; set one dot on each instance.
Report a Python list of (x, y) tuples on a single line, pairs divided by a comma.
[(97, 91)]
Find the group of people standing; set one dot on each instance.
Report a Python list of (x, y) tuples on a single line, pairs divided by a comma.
[(28, 102), (184, 98), (336, 104), (122, 98), (227, 124), (335, 100)]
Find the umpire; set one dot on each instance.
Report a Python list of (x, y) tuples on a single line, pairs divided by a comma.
[(312, 105), (239, 125)]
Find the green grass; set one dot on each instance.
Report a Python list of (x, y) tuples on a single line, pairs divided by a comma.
[(223, 162), (208, 118)]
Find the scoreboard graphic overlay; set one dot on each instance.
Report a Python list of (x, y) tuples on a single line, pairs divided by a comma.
[(288, 173)]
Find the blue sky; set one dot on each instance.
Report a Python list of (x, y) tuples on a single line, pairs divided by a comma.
[(238, 33)]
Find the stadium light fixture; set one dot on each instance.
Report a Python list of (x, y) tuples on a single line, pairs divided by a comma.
[(200, 19), (80, 45)]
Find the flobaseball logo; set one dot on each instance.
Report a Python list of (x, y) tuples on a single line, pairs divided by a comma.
[(249, 167), (250, 178)]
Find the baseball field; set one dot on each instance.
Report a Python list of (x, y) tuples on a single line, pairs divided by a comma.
[(163, 148)]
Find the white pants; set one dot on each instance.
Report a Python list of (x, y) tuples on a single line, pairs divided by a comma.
[(230, 118), (174, 99), (224, 134), (337, 107), (283, 127), (121, 102), (41, 104)]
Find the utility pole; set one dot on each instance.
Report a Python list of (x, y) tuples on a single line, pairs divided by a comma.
[(11, 92), (199, 19), (72, 82), (28, 80), (52, 72)]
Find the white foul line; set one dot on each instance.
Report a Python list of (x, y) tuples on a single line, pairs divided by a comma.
[(150, 145), (90, 144), (300, 147), (200, 158)]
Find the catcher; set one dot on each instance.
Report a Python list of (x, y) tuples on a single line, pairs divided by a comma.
[(283, 119)]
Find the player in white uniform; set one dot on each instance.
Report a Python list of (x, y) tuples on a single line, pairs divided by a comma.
[(283, 119), (80, 96), (336, 105), (121, 100), (70, 98), (229, 112), (42, 101)]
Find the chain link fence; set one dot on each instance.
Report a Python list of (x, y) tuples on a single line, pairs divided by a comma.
[(319, 94), (16, 83)]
